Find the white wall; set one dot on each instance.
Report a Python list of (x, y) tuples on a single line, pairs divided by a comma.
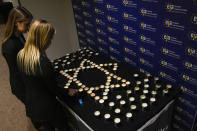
[(60, 14)]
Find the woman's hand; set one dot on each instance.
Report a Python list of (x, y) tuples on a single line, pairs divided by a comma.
[(72, 92)]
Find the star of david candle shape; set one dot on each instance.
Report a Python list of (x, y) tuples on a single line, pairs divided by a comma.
[(109, 75)]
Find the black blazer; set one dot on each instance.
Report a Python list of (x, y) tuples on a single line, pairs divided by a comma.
[(41, 92), (10, 50)]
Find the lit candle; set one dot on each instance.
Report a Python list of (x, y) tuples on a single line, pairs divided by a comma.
[(129, 115)]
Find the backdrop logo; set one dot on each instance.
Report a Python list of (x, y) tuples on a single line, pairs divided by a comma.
[(168, 23), (78, 17), (84, 3), (193, 36), (88, 24), (101, 32), (80, 26), (111, 7), (75, 7), (143, 12), (101, 41), (125, 15), (86, 14), (194, 19), (113, 58), (144, 71), (146, 52), (109, 29), (165, 51), (188, 65), (126, 27), (169, 7), (142, 61), (125, 2), (100, 22), (114, 50), (164, 63), (166, 37), (142, 38), (82, 42), (90, 41), (98, 31), (191, 51), (126, 38), (98, 1), (81, 34), (112, 40), (162, 74), (129, 51), (143, 50), (129, 3), (179, 109), (89, 33), (98, 11), (185, 77), (103, 50), (112, 30), (177, 118), (108, 6), (109, 18), (143, 25), (129, 61)]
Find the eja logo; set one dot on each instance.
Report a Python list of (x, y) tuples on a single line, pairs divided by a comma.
[(191, 51), (109, 18), (143, 38), (110, 39), (96, 10), (143, 12), (194, 19), (142, 50), (109, 29), (98, 30), (97, 20), (125, 2), (162, 74), (142, 60), (108, 6), (99, 40), (169, 7), (193, 36), (164, 63), (168, 23), (126, 28), (126, 38), (143, 25), (165, 51), (185, 77), (126, 15), (188, 65), (166, 37)]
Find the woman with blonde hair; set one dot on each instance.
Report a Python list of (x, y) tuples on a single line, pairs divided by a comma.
[(13, 41), (39, 78)]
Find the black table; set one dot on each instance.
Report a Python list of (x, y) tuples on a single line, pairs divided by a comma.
[(94, 77)]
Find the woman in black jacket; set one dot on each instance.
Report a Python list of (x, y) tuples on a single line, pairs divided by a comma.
[(13, 41), (39, 78)]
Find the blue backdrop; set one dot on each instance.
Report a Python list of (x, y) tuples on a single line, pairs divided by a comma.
[(157, 37)]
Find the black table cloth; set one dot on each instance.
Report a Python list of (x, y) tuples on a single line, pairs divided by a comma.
[(94, 77)]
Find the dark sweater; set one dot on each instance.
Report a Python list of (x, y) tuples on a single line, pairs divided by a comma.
[(10, 50), (41, 92)]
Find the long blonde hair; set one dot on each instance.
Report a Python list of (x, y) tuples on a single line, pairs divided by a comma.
[(38, 40), (18, 14)]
